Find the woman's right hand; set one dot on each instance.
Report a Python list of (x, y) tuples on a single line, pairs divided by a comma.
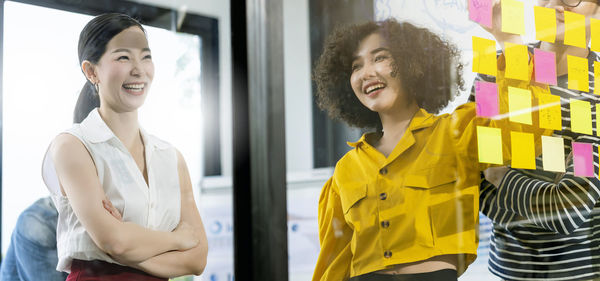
[(186, 236)]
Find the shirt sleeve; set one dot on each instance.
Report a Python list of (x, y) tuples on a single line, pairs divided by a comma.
[(333, 263), (560, 207)]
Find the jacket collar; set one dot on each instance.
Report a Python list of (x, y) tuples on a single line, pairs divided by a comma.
[(421, 119)]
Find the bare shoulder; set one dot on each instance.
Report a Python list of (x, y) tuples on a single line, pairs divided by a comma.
[(68, 149)]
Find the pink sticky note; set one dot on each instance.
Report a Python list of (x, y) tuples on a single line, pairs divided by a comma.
[(545, 67), (583, 159), (486, 98), (481, 11)]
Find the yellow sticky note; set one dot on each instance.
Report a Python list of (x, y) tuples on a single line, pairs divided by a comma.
[(550, 114), (513, 16), (519, 105), (553, 154), (517, 59), (523, 150), (489, 145), (578, 73), (545, 24), (575, 29), (597, 110), (581, 116), (597, 76), (595, 34), (484, 56)]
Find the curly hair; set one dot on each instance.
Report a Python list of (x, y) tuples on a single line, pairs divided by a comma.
[(428, 67)]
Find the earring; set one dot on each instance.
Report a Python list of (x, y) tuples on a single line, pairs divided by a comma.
[(96, 87)]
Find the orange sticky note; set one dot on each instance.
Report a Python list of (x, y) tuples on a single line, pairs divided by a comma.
[(597, 76), (489, 145), (484, 56), (545, 24), (550, 114), (523, 150), (595, 34), (581, 116), (553, 154), (513, 16), (578, 73), (575, 29), (517, 59), (519, 105)]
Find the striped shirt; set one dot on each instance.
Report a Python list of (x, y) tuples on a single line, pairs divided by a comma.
[(546, 225)]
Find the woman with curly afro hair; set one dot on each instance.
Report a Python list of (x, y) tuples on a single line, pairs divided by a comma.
[(403, 203)]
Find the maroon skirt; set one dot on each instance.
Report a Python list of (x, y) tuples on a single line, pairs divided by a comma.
[(97, 270)]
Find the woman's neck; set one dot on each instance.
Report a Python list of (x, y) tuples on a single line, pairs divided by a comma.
[(124, 125), (562, 52), (395, 124)]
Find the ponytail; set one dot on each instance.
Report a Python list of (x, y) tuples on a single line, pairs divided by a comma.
[(87, 101)]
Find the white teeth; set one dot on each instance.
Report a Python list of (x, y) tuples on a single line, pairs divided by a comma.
[(374, 87), (138, 87)]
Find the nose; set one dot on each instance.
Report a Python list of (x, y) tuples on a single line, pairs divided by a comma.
[(135, 70), (368, 71)]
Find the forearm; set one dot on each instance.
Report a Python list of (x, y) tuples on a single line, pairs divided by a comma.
[(176, 263), (560, 207), (132, 243)]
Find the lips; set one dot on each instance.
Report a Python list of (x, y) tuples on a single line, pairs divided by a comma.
[(373, 87), (134, 88)]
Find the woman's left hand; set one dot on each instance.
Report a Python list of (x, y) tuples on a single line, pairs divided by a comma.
[(112, 210), (495, 174)]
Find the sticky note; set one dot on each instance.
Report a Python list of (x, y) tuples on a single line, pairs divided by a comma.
[(581, 116), (519, 105), (578, 73), (583, 159), (544, 66), (513, 16), (489, 145), (523, 150), (484, 56), (550, 113), (597, 110), (595, 34), (575, 29), (486, 98), (545, 24), (597, 77), (517, 59), (553, 154), (480, 11)]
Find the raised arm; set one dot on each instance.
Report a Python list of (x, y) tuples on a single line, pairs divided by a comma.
[(124, 241), (192, 261)]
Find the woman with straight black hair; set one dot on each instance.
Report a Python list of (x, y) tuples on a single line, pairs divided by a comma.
[(124, 197)]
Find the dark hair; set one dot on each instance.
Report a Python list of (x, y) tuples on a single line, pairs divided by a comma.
[(92, 44), (428, 66)]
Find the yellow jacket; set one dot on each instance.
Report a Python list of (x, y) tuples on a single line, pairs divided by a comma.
[(419, 202)]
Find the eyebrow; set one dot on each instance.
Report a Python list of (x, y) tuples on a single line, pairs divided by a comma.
[(375, 51), (128, 51)]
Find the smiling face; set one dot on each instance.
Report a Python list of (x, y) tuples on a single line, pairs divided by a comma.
[(588, 8), (372, 76), (125, 71)]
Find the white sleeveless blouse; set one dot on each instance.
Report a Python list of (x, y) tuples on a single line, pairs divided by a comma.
[(155, 205)]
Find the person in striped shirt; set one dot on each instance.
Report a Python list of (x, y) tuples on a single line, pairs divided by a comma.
[(547, 224)]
